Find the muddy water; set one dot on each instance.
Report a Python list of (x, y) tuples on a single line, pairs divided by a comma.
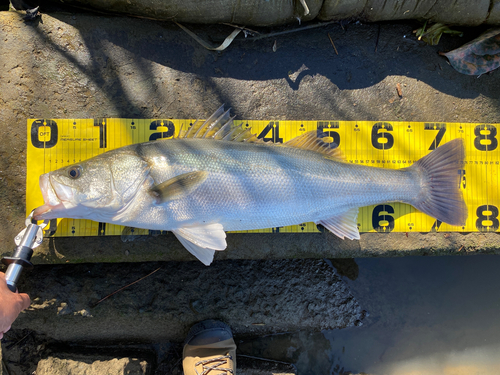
[(428, 315)]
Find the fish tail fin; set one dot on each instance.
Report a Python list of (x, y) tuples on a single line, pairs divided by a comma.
[(441, 197)]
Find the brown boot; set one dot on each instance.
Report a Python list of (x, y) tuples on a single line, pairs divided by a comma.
[(209, 349)]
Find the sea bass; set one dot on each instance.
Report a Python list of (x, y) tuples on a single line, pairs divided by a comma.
[(214, 178)]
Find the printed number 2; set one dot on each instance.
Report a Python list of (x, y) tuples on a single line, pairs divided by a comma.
[(161, 123), (381, 220)]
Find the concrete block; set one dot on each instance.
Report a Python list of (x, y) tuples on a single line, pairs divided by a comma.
[(83, 365)]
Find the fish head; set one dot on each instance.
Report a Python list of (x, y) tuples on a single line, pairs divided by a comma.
[(94, 189)]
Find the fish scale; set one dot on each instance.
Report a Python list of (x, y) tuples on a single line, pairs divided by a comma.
[(261, 186)]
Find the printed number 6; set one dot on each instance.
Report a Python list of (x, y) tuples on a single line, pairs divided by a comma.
[(382, 140), (380, 221)]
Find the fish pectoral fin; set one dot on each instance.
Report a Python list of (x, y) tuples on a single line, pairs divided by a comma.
[(202, 241), (178, 186), (343, 225)]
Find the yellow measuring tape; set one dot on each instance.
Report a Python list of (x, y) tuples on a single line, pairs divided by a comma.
[(55, 143)]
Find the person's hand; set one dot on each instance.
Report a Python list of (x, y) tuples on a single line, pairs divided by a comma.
[(11, 304)]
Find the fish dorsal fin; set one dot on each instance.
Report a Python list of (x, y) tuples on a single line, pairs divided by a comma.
[(220, 126), (343, 225), (203, 240), (313, 141), (177, 186), (198, 125)]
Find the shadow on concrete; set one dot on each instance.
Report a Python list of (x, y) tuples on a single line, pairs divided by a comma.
[(367, 54)]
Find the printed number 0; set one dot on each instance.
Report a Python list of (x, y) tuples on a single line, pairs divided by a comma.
[(36, 132)]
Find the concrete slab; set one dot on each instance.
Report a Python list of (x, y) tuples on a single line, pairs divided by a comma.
[(254, 297), (82, 66), (95, 365), (83, 365)]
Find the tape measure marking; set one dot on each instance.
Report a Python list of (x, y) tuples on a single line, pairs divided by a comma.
[(54, 143)]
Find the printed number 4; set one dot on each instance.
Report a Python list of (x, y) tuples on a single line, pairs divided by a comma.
[(274, 128)]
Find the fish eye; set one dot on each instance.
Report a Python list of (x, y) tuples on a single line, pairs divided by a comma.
[(74, 172)]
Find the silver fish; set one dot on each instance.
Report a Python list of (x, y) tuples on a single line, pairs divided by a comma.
[(214, 178)]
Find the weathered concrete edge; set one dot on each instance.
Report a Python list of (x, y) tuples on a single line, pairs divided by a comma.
[(267, 246), (261, 297)]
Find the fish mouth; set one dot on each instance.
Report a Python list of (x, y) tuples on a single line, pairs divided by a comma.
[(56, 198)]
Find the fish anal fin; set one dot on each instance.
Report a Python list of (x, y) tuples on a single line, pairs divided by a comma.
[(178, 186), (313, 141), (202, 241), (343, 225)]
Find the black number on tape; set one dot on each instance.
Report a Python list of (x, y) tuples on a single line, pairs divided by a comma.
[(382, 222), (381, 138), (436, 225), (487, 218), (441, 127), (462, 181), (329, 127), (162, 123), (489, 143), (274, 128), (101, 231), (103, 132), (43, 129)]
